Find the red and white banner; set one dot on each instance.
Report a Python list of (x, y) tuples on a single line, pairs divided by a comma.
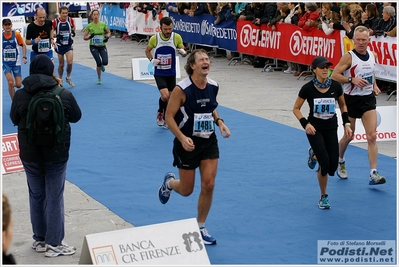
[(288, 42), (386, 125), (10, 154), (140, 23)]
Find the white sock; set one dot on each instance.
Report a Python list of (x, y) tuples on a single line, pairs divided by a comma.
[(372, 170), (341, 160), (200, 225)]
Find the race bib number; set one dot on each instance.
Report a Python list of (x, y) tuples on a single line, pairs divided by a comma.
[(203, 125), (43, 45), (165, 61), (97, 40), (65, 39), (323, 108), (10, 54)]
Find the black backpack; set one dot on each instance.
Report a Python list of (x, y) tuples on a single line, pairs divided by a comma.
[(45, 120)]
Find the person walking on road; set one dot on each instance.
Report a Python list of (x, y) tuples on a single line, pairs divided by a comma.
[(98, 33), (356, 72), (322, 94), (164, 44), (191, 116), (64, 28), (12, 40)]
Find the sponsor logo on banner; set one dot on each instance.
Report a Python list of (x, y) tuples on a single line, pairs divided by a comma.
[(10, 154), (386, 125), (356, 252), (172, 243)]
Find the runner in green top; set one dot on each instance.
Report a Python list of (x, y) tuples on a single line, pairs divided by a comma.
[(98, 33)]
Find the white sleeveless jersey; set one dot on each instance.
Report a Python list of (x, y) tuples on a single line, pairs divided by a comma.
[(360, 69)]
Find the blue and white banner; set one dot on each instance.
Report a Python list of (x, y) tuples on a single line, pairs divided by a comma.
[(27, 9), (202, 30), (114, 17), (74, 6)]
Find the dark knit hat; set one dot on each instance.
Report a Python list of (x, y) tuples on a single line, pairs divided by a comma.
[(41, 64)]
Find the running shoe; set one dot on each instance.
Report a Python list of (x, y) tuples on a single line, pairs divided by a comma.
[(311, 160), (69, 81), (165, 126), (39, 246), (323, 202), (160, 120), (341, 171), (61, 250), (164, 191), (206, 237), (102, 68), (375, 179), (99, 81)]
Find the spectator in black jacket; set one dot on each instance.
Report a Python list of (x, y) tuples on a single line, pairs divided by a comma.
[(269, 11), (387, 23), (370, 16), (45, 166)]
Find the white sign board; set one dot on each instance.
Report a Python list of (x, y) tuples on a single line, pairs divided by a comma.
[(142, 69), (386, 125), (172, 243)]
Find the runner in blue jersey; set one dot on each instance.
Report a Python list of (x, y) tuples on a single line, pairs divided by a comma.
[(64, 28), (192, 116), (12, 56), (164, 61)]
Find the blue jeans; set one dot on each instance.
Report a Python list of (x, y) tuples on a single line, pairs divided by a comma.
[(46, 200)]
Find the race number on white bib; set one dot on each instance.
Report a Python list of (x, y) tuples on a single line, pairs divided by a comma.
[(203, 125)]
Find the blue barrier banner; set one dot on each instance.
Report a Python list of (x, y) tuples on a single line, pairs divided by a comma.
[(202, 30), (27, 9), (114, 17), (74, 6)]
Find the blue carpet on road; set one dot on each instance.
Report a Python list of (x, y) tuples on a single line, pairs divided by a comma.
[(265, 202)]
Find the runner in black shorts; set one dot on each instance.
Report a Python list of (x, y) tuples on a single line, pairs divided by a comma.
[(356, 72), (191, 117), (164, 44), (64, 28)]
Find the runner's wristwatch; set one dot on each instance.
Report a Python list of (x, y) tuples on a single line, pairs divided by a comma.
[(349, 79)]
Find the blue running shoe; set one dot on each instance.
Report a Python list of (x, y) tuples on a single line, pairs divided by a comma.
[(102, 68), (375, 179), (206, 237), (323, 202), (164, 191), (311, 161)]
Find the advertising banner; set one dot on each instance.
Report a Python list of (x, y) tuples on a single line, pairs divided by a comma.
[(27, 9), (171, 243), (10, 154), (288, 42), (74, 6), (114, 17), (202, 30)]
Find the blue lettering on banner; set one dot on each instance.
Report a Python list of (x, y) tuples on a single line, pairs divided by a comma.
[(114, 17), (27, 9), (201, 30)]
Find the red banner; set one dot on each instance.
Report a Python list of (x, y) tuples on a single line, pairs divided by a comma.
[(10, 154), (288, 42)]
